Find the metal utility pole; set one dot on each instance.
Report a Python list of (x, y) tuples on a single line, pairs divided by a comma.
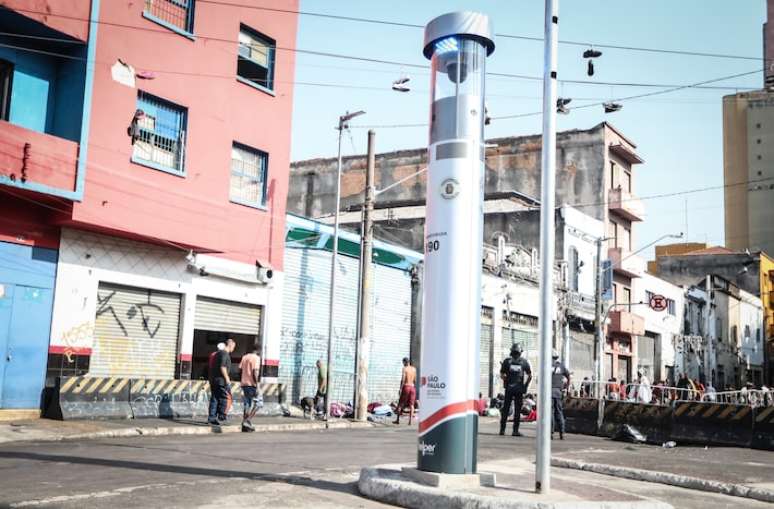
[(343, 120), (547, 240), (366, 249)]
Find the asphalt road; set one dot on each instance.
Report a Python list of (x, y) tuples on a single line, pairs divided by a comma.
[(313, 468)]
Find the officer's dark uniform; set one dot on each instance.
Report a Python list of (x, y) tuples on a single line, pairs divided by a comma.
[(558, 374), (514, 369)]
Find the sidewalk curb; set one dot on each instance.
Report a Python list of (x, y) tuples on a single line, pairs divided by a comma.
[(682, 481), (386, 485), (190, 430)]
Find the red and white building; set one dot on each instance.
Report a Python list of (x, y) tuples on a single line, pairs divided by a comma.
[(157, 176)]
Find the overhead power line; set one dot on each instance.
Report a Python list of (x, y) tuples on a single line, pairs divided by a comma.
[(503, 35)]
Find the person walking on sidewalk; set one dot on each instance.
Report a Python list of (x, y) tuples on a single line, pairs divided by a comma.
[(560, 379), (408, 393), (251, 373), (512, 371), (322, 385), (220, 383)]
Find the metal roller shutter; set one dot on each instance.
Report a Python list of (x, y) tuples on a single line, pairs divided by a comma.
[(521, 329), (136, 332), (487, 335), (646, 352), (581, 355), (226, 316)]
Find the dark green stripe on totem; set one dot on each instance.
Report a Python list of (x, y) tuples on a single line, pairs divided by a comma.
[(451, 447)]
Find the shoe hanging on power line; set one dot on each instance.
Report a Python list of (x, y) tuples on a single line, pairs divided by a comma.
[(591, 54), (400, 85), (611, 107), (561, 105)]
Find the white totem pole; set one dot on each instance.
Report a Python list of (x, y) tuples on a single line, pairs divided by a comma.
[(457, 45)]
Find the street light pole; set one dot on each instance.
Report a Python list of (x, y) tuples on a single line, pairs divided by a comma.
[(343, 124), (547, 239)]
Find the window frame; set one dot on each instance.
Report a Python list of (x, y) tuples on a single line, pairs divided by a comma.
[(264, 185), (182, 136), (188, 32), (6, 88), (271, 43)]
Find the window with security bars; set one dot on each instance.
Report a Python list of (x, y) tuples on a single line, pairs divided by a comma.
[(255, 62), (248, 175), (176, 13), (160, 141)]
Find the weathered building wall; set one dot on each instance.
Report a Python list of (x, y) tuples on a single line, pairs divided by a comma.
[(687, 270), (514, 165)]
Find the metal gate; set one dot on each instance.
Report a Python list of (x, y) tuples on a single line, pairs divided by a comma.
[(136, 332), (487, 337), (227, 316)]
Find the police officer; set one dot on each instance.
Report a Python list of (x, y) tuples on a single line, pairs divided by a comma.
[(512, 371), (560, 379)]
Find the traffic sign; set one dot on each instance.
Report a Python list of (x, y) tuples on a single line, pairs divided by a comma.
[(658, 302)]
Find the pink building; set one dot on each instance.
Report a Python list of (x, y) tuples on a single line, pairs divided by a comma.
[(155, 175)]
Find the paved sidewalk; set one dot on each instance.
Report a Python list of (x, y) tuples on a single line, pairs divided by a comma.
[(47, 430), (514, 489)]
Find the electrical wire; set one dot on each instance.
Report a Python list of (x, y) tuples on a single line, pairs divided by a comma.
[(319, 53), (503, 35)]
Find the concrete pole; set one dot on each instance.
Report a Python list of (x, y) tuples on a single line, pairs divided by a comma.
[(367, 239), (332, 296), (547, 240), (599, 336)]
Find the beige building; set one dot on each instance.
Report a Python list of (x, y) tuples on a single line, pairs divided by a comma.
[(748, 159)]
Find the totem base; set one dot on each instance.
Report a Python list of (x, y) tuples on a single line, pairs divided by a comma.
[(449, 481)]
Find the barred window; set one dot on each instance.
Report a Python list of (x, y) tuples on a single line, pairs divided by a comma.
[(248, 175), (161, 138), (255, 62), (177, 14)]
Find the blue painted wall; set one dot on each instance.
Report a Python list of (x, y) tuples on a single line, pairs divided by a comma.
[(47, 92), (27, 276)]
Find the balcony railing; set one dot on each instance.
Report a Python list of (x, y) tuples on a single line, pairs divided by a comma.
[(625, 204), (625, 322), (36, 161), (625, 263)]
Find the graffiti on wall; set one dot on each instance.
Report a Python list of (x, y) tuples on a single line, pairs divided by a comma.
[(77, 339), (150, 314)]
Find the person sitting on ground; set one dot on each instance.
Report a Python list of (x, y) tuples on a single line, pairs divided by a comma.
[(481, 405)]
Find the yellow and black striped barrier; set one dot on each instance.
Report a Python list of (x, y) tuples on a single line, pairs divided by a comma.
[(763, 428), (653, 421), (713, 423), (85, 397), (581, 415)]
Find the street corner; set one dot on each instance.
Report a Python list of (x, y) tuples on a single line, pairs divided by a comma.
[(401, 486)]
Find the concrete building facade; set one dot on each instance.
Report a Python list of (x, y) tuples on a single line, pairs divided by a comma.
[(594, 175), (752, 272), (748, 158), (132, 154)]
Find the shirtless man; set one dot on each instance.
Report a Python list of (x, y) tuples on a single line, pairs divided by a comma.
[(408, 393)]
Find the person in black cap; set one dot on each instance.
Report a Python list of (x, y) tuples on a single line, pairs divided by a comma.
[(560, 380), (513, 371)]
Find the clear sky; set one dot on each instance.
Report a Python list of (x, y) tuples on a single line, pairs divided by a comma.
[(679, 134)]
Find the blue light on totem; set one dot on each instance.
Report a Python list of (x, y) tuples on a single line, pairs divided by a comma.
[(447, 45)]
